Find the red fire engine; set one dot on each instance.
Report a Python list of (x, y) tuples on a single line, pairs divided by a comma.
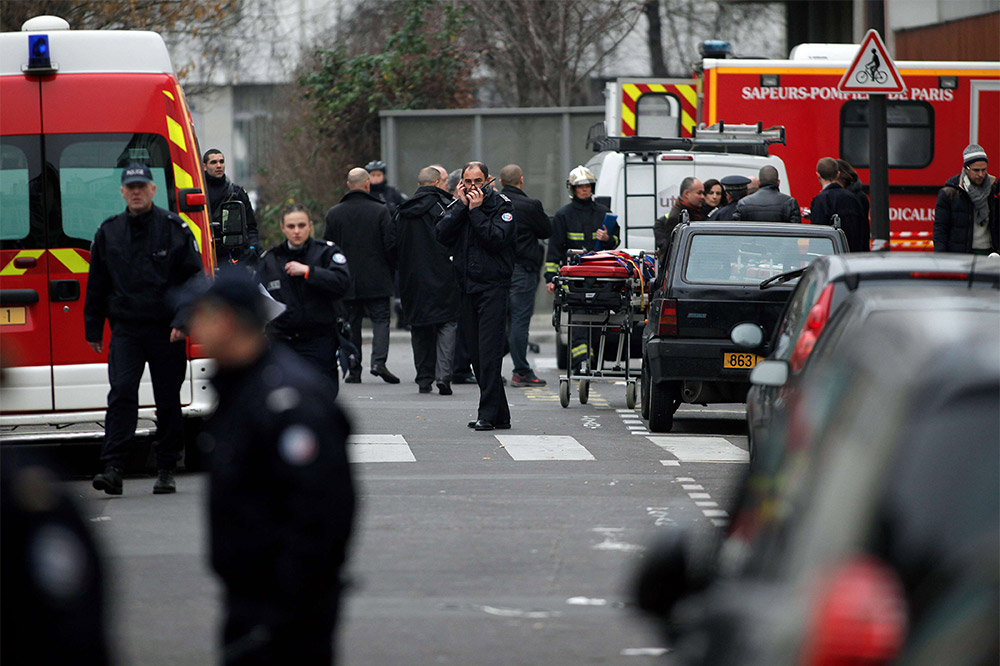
[(946, 106)]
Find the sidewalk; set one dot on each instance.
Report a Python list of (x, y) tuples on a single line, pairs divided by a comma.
[(541, 330)]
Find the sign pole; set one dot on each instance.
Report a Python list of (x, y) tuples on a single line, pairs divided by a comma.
[(878, 146), (878, 174)]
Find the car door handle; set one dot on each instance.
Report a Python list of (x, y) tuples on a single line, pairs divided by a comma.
[(61, 291)]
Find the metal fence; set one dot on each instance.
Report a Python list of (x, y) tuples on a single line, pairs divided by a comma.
[(545, 142)]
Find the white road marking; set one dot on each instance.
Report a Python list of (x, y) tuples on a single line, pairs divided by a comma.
[(702, 449), (644, 652), (714, 513), (378, 448), (670, 463), (544, 447), (699, 496), (638, 432), (693, 486), (720, 522), (709, 503)]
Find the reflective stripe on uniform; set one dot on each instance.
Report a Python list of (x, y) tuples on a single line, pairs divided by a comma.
[(574, 235), (580, 350)]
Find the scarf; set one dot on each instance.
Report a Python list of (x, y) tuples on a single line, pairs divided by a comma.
[(979, 196)]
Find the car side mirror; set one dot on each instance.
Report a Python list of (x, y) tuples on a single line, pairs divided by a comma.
[(770, 373), (747, 335), (232, 229)]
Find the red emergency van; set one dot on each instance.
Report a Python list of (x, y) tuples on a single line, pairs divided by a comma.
[(946, 106), (78, 106)]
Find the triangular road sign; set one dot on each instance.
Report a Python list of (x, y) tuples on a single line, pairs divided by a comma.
[(872, 70)]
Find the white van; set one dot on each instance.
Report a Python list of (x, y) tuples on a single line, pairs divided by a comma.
[(639, 178)]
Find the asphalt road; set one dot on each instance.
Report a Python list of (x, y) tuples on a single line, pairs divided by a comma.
[(508, 547)]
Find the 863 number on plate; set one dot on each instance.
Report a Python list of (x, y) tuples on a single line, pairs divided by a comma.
[(739, 360)]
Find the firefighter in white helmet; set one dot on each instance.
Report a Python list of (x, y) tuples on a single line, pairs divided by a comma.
[(578, 225)]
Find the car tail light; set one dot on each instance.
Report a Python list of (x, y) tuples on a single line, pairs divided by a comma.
[(667, 323), (860, 618), (815, 322), (938, 275)]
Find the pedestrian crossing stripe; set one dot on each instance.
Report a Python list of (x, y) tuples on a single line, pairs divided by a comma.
[(378, 448), (544, 447), (701, 449)]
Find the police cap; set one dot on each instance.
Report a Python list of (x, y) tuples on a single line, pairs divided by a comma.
[(136, 173), (735, 182)]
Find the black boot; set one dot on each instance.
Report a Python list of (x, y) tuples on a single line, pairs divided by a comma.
[(110, 481), (165, 483)]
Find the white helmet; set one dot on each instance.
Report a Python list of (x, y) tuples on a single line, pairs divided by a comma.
[(581, 175)]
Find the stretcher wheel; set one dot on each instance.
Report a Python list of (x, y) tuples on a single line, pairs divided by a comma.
[(564, 392), (584, 391), (630, 395)]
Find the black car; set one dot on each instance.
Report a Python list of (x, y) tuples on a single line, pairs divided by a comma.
[(711, 285), (821, 290), (878, 539)]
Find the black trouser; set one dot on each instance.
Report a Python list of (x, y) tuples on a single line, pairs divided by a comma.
[(376, 309), (132, 346), (257, 634), (320, 352), (433, 351), (483, 316)]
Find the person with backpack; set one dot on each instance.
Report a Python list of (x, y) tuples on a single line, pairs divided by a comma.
[(219, 190)]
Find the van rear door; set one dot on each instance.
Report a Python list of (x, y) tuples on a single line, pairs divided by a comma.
[(86, 169), (24, 290)]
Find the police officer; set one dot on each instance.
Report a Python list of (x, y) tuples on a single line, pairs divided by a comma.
[(220, 190), (479, 228), (380, 187), (137, 257), (736, 189), (281, 498), (579, 225), (308, 276)]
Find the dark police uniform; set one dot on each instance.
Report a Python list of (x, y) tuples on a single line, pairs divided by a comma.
[(134, 262), (281, 507), (573, 228), (309, 324), (482, 244)]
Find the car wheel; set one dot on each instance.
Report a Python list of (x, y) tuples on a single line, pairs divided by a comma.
[(664, 398), (644, 392)]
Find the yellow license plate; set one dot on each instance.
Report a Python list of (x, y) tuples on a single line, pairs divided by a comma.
[(739, 361), (12, 316)]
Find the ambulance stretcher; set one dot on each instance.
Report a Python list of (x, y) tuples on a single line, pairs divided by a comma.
[(605, 293)]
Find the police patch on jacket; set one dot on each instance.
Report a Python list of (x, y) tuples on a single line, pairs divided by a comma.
[(339, 258), (507, 217), (298, 445)]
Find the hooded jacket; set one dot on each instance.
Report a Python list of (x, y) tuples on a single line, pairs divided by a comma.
[(427, 286)]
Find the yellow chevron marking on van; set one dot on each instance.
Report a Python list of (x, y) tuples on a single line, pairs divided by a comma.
[(194, 229), (69, 258), (10, 269), (168, 94), (689, 94), (176, 133), (631, 90), (687, 121), (182, 178)]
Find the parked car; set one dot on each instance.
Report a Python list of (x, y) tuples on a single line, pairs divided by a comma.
[(709, 286), (878, 540), (822, 289)]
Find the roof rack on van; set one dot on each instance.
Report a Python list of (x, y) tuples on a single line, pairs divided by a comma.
[(717, 138)]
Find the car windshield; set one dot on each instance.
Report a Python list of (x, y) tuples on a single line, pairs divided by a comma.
[(749, 259)]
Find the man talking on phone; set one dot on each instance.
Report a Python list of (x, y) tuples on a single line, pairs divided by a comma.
[(579, 225), (478, 228)]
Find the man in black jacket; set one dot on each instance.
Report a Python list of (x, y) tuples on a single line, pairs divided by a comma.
[(137, 257), (219, 189), (768, 204), (835, 200), (533, 226), (308, 276), (360, 225), (281, 497), (428, 288), (380, 187), (479, 229), (965, 217)]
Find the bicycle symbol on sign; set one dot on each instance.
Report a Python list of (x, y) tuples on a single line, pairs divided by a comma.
[(872, 71)]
